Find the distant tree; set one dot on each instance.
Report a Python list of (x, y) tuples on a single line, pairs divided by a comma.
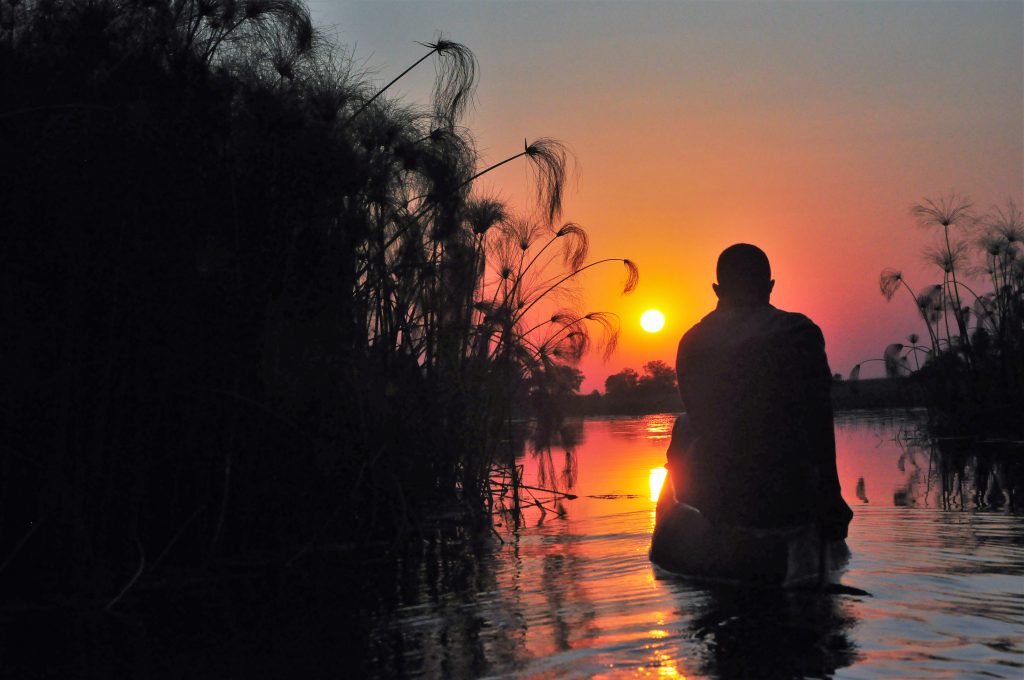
[(658, 377), (654, 391), (622, 384)]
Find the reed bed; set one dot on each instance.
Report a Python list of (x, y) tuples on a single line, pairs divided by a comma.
[(972, 365), (257, 307)]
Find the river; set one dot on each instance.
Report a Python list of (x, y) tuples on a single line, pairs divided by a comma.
[(937, 541), (574, 595)]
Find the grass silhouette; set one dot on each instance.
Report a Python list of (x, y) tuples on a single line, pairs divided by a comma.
[(258, 305), (974, 377)]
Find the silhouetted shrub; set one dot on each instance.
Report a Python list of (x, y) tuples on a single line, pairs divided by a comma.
[(249, 302)]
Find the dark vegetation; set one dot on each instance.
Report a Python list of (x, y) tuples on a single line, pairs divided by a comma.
[(656, 391), (629, 392), (877, 393), (970, 366), (251, 306)]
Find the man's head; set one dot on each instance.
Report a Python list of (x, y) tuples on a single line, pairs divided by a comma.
[(744, 276)]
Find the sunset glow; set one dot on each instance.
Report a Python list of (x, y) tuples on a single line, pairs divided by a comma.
[(808, 129), (652, 320)]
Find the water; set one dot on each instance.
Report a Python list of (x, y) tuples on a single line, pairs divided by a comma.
[(934, 541), (575, 596)]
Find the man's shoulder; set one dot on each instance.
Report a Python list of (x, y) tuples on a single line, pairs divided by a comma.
[(767, 322), (766, 315), (799, 331), (794, 321), (698, 329)]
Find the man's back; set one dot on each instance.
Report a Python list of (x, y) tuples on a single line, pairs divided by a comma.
[(755, 382)]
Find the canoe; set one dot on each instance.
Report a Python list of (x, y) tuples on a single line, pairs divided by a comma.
[(686, 543)]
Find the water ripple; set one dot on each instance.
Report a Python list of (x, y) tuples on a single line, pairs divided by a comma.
[(577, 597)]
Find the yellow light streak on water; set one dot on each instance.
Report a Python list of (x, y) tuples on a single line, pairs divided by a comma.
[(657, 479)]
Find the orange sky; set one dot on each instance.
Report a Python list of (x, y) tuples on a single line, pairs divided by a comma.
[(807, 128)]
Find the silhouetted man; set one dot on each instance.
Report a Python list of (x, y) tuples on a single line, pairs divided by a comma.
[(758, 447)]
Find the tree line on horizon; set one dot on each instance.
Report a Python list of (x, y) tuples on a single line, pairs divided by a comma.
[(656, 390), (255, 304), (626, 392)]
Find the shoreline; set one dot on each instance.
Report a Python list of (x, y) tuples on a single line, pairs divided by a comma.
[(869, 393)]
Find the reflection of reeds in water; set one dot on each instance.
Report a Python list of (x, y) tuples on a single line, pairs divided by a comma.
[(961, 474), (552, 442)]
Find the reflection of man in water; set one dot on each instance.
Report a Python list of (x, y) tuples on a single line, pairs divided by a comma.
[(758, 447)]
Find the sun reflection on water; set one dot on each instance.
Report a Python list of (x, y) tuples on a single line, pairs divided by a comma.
[(657, 479), (658, 428), (665, 666)]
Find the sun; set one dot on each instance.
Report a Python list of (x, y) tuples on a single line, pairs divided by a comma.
[(652, 320)]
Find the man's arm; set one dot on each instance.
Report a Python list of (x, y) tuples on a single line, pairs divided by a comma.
[(819, 427)]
